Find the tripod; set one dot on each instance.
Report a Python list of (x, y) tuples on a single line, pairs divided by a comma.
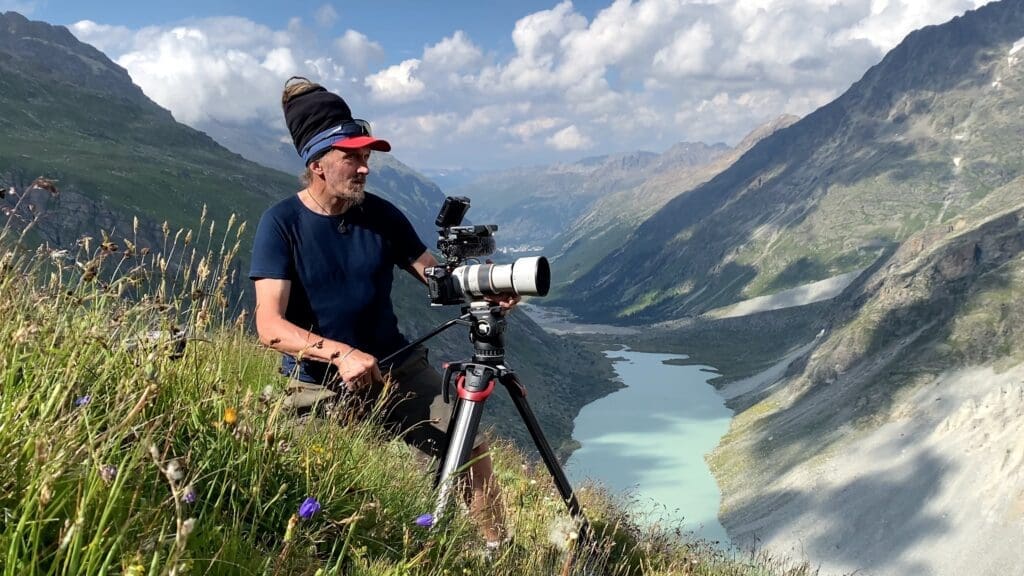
[(474, 381)]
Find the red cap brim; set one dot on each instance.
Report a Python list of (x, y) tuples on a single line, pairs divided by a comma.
[(363, 142)]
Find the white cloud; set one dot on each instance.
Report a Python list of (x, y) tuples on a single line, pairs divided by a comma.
[(456, 52), (538, 35), (687, 54), (638, 74), (225, 69), (569, 138), (108, 39), (525, 131), (406, 133), (396, 83), (325, 16), (485, 118), (357, 51), (891, 20), (280, 61)]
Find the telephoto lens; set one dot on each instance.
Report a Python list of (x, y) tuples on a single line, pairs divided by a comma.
[(525, 277)]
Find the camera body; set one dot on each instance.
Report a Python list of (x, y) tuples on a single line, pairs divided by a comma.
[(455, 282), (441, 287)]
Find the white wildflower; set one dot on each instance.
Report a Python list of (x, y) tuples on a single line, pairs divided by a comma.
[(174, 470)]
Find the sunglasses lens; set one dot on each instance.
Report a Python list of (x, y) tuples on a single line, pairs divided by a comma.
[(364, 126)]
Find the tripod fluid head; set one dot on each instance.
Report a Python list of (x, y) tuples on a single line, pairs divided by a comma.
[(487, 332)]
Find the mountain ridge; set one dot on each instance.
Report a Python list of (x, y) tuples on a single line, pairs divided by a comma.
[(613, 217), (532, 205), (873, 136)]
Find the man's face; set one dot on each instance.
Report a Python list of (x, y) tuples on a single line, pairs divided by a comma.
[(344, 173)]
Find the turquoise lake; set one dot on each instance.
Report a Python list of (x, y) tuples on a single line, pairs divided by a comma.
[(647, 442)]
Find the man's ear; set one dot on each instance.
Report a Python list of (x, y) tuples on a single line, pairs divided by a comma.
[(316, 168)]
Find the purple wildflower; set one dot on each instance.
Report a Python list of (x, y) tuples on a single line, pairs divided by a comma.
[(309, 507), (82, 400), (108, 473), (189, 495), (425, 521)]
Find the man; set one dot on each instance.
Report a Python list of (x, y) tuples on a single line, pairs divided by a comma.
[(323, 263)]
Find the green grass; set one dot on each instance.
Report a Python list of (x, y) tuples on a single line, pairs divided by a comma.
[(121, 459)]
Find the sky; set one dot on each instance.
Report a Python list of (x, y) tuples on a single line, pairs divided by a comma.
[(493, 84)]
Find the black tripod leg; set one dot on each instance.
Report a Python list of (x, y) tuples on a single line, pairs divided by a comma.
[(518, 394), (461, 432)]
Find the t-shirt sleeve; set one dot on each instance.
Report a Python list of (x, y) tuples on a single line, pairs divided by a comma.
[(406, 245), (271, 253)]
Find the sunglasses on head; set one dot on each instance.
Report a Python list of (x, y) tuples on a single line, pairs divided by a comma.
[(321, 141), (356, 127)]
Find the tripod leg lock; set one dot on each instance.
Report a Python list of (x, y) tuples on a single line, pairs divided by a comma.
[(473, 395), (451, 370)]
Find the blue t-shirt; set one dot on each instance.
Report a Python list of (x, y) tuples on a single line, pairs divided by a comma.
[(341, 268)]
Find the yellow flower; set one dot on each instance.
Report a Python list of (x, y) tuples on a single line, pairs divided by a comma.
[(230, 416)]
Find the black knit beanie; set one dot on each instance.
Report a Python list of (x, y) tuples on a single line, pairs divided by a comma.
[(312, 112)]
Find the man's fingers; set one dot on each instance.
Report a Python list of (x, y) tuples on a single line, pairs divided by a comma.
[(358, 383)]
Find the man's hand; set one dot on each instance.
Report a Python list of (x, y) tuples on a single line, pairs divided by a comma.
[(358, 370), (506, 301)]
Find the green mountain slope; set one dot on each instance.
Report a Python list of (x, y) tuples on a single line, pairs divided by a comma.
[(68, 113), (613, 217), (921, 138)]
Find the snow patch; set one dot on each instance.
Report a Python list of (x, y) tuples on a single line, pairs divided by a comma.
[(799, 296), (767, 380), (1017, 46), (957, 160)]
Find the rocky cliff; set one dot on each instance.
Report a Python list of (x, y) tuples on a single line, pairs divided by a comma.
[(891, 444)]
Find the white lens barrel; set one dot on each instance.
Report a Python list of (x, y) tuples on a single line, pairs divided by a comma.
[(526, 276), (531, 276)]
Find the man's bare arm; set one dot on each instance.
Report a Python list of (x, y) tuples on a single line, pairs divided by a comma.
[(275, 331), (426, 260)]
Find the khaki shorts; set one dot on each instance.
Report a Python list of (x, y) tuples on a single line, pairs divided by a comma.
[(412, 406)]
